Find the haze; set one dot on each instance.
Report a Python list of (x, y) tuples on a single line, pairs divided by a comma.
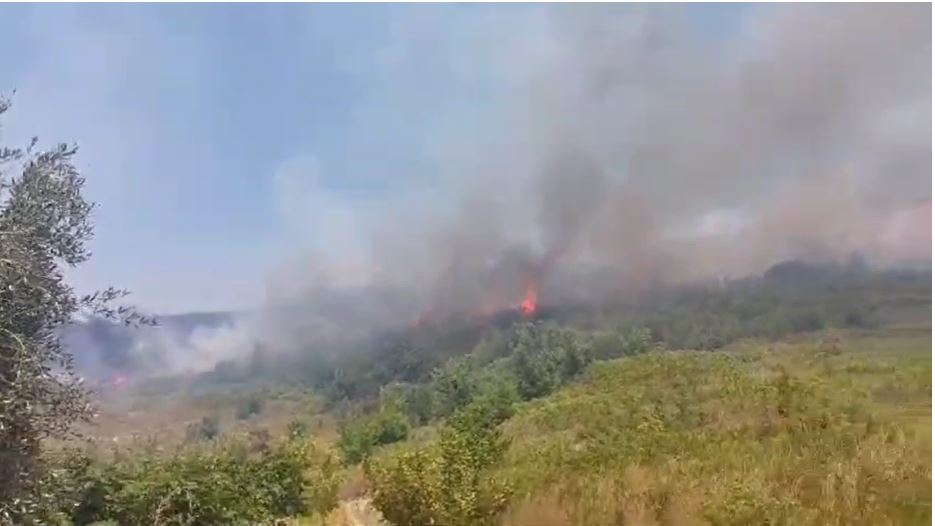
[(439, 160)]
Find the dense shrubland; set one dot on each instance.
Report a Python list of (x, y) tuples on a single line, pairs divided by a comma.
[(562, 422), (811, 433), (790, 298), (571, 427), (834, 432), (233, 481)]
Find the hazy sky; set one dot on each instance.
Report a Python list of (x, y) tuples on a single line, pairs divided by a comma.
[(219, 140), (185, 114)]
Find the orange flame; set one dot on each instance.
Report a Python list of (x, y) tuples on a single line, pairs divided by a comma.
[(530, 301)]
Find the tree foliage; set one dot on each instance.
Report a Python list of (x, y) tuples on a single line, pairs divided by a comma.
[(359, 437), (45, 224), (449, 483), (223, 484), (545, 357)]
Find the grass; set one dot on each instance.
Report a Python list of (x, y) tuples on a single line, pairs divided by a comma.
[(130, 418), (819, 430)]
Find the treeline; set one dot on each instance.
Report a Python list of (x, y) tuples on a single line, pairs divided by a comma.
[(789, 298), (539, 358)]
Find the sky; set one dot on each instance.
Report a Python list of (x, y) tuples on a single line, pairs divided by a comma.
[(188, 117), (221, 141)]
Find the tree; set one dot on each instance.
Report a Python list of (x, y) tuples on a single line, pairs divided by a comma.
[(546, 357), (454, 386), (358, 438), (451, 482), (45, 223)]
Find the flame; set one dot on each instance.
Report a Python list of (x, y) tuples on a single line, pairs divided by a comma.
[(530, 301)]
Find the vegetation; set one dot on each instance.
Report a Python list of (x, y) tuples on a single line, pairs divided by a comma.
[(790, 298), (543, 358), (564, 426), (249, 406), (207, 428), (666, 409), (231, 482), (450, 482), (811, 433), (359, 437), (44, 226)]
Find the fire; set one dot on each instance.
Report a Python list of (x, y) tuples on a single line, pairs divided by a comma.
[(530, 301)]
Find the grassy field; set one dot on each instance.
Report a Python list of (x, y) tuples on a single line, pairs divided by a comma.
[(126, 418), (829, 429)]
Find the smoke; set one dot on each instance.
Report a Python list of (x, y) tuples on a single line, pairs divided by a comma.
[(647, 146), (632, 146)]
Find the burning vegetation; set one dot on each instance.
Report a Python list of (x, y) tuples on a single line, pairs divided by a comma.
[(530, 302)]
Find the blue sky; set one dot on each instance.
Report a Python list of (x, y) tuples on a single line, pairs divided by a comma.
[(192, 121)]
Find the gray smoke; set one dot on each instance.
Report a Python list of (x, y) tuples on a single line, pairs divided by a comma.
[(647, 147)]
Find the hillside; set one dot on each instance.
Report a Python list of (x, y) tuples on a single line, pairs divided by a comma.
[(799, 397), (832, 429)]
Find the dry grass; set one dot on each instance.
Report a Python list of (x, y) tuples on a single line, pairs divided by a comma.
[(163, 420), (796, 433)]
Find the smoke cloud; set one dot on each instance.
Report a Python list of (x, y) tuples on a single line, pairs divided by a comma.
[(633, 146)]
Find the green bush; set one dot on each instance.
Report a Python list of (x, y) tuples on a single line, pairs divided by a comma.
[(359, 438), (638, 340), (454, 386), (224, 484), (544, 358), (405, 486), (418, 403), (415, 400), (449, 482)]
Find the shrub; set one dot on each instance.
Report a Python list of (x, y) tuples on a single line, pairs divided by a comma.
[(207, 429), (607, 345), (297, 429), (405, 487), (638, 340), (248, 407), (415, 400), (454, 387), (418, 403), (450, 482), (355, 442), (544, 358), (223, 484), (807, 321), (358, 438)]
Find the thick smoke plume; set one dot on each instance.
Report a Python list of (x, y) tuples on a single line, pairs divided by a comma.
[(655, 150), (643, 147)]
